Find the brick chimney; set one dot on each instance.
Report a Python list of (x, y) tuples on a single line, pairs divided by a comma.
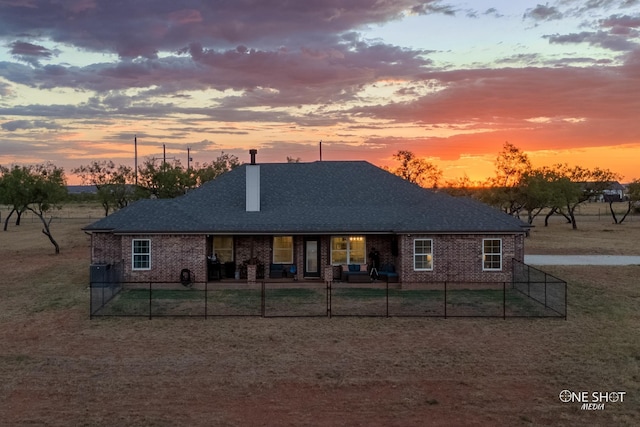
[(253, 184)]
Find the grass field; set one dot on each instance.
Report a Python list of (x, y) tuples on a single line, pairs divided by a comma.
[(430, 301), (58, 368)]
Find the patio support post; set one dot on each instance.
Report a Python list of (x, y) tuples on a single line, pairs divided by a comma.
[(251, 273)]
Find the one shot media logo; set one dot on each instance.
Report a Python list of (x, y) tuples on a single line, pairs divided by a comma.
[(592, 400)]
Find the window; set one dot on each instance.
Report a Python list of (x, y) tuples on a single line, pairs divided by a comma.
[(223, 247), (423, 254), (492, 254), (141, 254), (347, 250), (283, 250)]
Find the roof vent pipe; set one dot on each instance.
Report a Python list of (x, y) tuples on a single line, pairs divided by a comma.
[(253, 184)]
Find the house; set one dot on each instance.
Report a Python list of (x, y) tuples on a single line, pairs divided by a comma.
[(614, 193), (310, 220)]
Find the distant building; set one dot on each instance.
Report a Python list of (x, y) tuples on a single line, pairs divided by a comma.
[(614, 193)]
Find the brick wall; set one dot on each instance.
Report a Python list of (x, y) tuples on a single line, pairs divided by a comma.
[(261, 248), (246, 247), (455, 257), (106, 248), (169, 255), (382, 243), (459, 258)]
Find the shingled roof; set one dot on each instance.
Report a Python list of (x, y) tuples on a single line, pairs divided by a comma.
[(328, 197)]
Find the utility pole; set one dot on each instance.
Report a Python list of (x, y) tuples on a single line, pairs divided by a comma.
[(135, 160), (188, 157), (320, 150)]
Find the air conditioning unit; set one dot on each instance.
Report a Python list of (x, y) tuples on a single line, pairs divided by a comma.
[(99, 274)]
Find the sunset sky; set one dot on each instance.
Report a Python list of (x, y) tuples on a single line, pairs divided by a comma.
[(449, 80)]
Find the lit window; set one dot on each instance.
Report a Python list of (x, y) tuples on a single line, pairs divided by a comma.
[(223, 248), (283, 250), (347, 250), (141, 254), (492, 254), (423, 254)]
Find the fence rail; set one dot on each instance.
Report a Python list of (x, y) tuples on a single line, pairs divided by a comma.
[(540, 286), (540, 295)]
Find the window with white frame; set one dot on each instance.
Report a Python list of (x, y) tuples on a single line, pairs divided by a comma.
[(491, 254), (141, 254), (223, 248), (283, 249), (348, 250), (423, 254)]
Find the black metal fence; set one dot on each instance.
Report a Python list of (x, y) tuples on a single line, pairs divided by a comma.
[(533, 294), (542, 287)]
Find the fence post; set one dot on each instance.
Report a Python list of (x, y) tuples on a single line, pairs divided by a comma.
[(150, 299), (102, 303), (330, 299), (387, 298), (504, 300), (329, 291), (565, 300), (91, 300), (445, 299)]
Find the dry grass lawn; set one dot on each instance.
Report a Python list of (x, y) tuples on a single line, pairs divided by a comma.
[(58, 368), (596, 234)]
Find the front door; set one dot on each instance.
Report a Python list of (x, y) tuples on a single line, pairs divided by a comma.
[(311, 257)]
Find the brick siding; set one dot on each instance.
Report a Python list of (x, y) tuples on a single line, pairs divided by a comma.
[(169, 255), (455, 257), (459, 258), (106, 248)]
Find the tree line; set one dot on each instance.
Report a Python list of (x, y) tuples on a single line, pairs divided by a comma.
[(118, 185), (518, 188), (42, 188)]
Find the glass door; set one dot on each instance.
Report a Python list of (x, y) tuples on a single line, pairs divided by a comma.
[(311, 257)]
